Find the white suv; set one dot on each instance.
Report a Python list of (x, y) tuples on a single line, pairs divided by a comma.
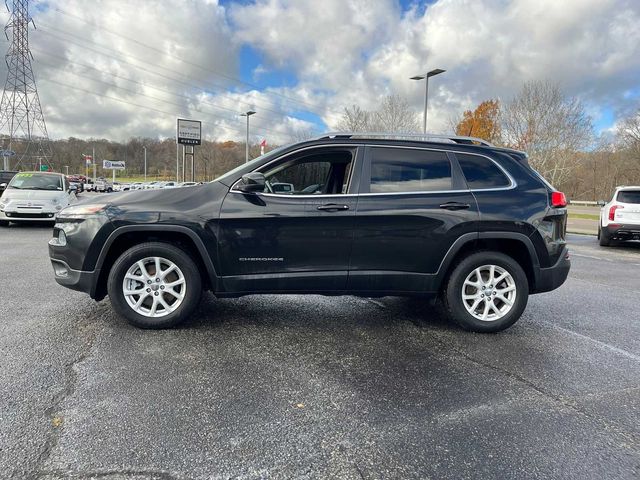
[(620, 218)]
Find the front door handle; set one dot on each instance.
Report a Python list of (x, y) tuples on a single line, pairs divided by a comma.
[(332, 207), (455, 206)]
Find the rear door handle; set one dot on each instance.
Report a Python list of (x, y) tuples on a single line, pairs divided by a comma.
[(455, 206), (332, 207)]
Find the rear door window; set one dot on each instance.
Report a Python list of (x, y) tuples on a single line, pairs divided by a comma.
[(397, 170), (481, 172), (629, 196)]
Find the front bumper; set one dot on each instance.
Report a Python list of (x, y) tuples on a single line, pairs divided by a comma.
[(74, 279), (624, 231), (29, 216), (553, 277)]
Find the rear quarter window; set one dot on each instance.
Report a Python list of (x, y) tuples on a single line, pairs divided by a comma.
[(481, 172), (629, 196)]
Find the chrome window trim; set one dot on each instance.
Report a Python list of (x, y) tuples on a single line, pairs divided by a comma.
[(513, 184)]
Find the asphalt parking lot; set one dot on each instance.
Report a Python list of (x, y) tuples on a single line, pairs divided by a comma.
[(315, 387)]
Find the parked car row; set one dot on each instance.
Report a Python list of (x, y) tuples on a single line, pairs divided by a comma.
[(154, 185)]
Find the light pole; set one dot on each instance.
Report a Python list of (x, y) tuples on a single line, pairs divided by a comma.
[(426, 77), (247, 114), (67, 168), (145, 163)]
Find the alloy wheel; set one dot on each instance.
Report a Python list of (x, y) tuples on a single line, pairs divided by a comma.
[(489, 292), (154, 287)]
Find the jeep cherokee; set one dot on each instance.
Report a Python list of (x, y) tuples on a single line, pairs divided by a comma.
[(365, 215)]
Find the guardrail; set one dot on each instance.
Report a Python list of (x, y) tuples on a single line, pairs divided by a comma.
[(586, 203)]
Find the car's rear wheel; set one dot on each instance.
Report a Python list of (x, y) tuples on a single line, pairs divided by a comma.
[(154, 285), (486, 292), (604, 237)]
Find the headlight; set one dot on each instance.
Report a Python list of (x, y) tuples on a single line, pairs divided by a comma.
[(87, 209)]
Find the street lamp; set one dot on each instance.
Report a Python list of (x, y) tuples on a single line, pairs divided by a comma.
[(426, 77), (145, 163), (247, 114)]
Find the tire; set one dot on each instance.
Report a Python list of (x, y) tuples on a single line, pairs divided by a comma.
[(153, 292), (4, 223), (604, 237), (498, 314)]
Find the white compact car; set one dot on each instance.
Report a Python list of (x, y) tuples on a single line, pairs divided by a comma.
[(35, 197), (620, 218)]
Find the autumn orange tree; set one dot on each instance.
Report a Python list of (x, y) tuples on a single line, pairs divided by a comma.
[(483, 122)]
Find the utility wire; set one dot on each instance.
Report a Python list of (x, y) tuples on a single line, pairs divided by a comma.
[(145, 85), (207, 69), (47, 29), (173, 114), (191, 85)]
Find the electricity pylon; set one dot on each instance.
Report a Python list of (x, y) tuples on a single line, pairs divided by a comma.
[(21, 120)]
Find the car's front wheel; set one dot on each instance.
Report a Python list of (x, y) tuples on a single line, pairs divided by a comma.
[(486, 292), (154, 285)]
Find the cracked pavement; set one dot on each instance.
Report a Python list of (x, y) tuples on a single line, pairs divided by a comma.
[(319, 387)]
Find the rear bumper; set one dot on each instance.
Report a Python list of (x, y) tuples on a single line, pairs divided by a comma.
[(553, 277), (624, 231)]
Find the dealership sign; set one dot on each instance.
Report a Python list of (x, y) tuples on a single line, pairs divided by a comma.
[(189, 132), (113, 164)]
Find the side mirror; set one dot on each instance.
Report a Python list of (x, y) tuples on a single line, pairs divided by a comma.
[(252, 182), (73, 188), (3, 186), (601, 203)]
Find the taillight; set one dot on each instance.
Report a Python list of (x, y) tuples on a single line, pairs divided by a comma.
[(612, 212), (558, 199)]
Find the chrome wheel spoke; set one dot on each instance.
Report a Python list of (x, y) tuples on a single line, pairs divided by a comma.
[(143, 269), (502, 291), (154, 306), (139, 291), (167, 272), (504, 299), (140, 300), (175, 294), (180, 281)]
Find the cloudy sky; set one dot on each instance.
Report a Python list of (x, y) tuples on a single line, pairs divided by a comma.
[(116, 69)]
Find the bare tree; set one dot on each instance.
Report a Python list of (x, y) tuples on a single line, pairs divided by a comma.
[(394, 116), (550, 127), (354, 119), (629, 133)]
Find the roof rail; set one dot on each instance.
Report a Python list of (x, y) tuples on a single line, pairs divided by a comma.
[(417, 136)]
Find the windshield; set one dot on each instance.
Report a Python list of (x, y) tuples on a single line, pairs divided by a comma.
[(629, 196), (253, 162), (36, 181)]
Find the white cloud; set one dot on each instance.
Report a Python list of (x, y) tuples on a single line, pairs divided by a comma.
[(340, 51), (363, 51)]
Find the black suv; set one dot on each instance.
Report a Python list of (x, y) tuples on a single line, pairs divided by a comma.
[(343, 214)]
